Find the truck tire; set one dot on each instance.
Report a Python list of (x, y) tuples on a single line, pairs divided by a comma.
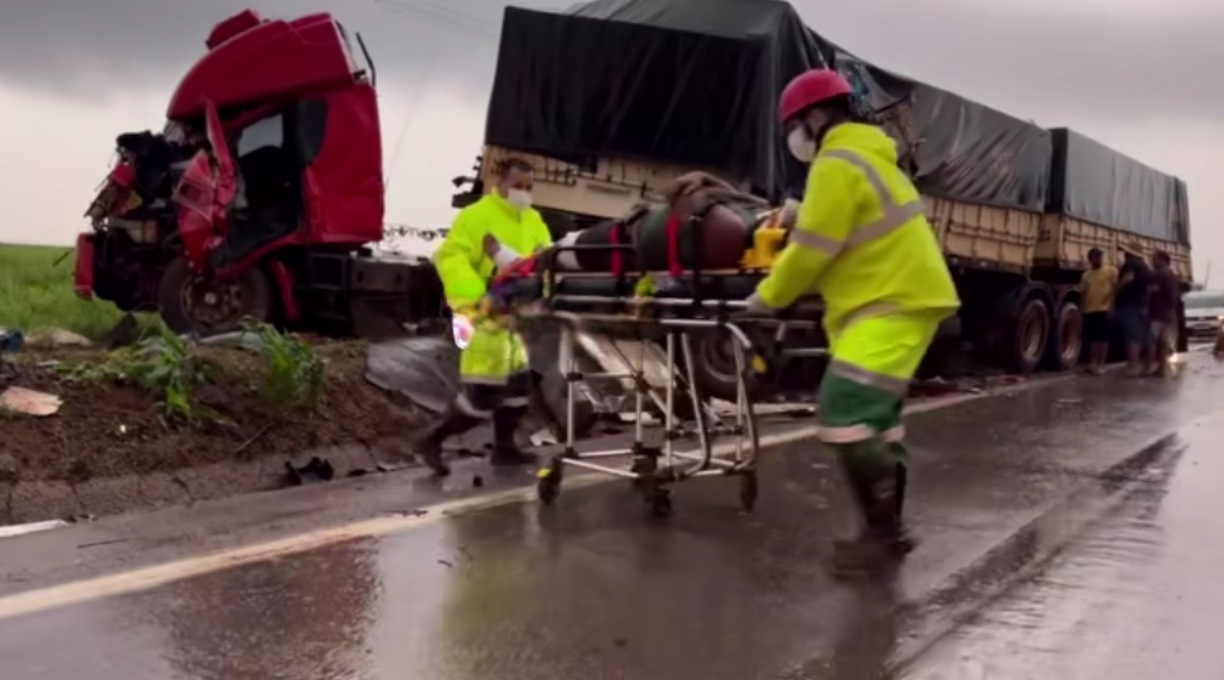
[(1029, 336), (194, 304), (1066, 338), (714, 367)]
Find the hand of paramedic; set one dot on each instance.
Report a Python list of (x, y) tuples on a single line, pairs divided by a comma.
[(824, 220)]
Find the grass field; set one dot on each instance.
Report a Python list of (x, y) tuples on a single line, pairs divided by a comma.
[(36, 293)]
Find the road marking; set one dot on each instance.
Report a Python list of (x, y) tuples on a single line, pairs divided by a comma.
[(110, 585), (13, 530)]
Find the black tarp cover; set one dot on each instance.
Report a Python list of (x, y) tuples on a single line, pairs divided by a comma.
[(690, 82), (1094, 183), (696, 82), (954, 147)]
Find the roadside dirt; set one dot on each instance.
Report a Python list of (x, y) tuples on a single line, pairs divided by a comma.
[(108, 430)]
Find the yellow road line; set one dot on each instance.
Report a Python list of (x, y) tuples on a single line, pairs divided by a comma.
[(122, 583)]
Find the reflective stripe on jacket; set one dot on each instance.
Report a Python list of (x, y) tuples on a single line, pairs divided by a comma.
[(862, 239), (461, 261)]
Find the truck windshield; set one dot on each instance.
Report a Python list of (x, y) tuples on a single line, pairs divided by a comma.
[(1204, 300)]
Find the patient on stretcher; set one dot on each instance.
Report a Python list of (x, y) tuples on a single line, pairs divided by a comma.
[(706, 224)]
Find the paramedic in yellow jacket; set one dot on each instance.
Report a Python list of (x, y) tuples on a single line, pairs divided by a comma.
[(491, 233), (862, 241)]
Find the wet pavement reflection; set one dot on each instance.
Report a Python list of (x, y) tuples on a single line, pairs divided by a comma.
[(593, 589), (1138, 597)]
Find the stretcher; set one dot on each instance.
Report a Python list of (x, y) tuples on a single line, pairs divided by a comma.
[(667, 309)]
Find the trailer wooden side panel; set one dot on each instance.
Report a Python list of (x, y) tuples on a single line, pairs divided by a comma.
[(609, 188), (984, 237), (1064, 243)]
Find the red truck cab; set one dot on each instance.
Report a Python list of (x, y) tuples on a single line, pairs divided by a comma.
[(275, 163)]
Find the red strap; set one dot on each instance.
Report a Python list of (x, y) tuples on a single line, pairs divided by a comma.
[(522, 268), (618, 264), (673, 245)]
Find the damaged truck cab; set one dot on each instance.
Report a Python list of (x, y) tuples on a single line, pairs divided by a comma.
[(262, 194)]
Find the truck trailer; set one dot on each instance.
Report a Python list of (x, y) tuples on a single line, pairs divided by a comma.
[(263, 196), (1016, 207)]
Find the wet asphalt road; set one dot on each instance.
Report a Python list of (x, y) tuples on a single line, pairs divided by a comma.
[(1137, 597), (590, 589)]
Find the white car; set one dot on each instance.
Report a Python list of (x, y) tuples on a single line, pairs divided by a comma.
[(1204, 312)]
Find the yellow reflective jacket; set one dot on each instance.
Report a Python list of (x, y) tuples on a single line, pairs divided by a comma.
[(461, 261), (861, 239)]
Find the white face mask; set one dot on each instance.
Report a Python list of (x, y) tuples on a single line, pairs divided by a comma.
[(519, 198), (801, 145)]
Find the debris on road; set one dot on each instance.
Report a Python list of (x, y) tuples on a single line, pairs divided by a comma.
[(11, 341), (29, 402), (316, 468), (56, 338)]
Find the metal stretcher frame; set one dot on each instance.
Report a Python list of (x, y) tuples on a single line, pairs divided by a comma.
[(653, 468)]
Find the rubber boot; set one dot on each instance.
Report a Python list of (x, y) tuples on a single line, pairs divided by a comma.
[(882, 539), (905, 542), (429, 445), (506, 450)]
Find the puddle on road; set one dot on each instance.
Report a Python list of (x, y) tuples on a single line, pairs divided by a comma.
[(1138, 597)]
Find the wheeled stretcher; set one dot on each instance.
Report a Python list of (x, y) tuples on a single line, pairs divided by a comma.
[(668, 310)]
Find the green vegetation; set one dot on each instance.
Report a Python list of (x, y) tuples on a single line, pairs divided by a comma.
[(173, 368), (165, 366), (36, 293), (295, 369)]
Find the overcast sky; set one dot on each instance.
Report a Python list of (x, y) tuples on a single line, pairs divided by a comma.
[(1138, 75)]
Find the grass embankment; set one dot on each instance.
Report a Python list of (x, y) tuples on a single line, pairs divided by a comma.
[(36, 293), (167, 403)]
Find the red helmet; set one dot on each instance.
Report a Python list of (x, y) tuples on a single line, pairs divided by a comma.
[(809, 89)]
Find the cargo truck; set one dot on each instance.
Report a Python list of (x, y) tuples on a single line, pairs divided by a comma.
[(1015, 207)]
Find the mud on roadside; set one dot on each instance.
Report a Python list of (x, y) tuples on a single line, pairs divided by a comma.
[(109, 448)]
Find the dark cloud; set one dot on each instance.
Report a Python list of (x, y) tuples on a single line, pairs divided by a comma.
[(1026, 55), (1121, 60), (88, 49)]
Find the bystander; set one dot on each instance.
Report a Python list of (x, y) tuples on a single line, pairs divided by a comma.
[(1098, 286), (1131, 310), (1162, 314)]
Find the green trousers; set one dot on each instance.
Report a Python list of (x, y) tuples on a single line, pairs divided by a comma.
[(863, 425), (864, 388)]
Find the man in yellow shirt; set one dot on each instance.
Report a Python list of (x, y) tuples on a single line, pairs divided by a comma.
[(1098, 286)]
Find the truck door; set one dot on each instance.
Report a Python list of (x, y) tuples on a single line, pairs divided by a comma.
[(205, 193)]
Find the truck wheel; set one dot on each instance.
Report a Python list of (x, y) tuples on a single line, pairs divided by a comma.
[(1066, 341), (714, 364), (196, 304), (1030, 333)]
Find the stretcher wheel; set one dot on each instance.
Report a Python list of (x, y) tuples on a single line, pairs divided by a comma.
[(646, 466), (660, 503), (748, 491), (548, 483)]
